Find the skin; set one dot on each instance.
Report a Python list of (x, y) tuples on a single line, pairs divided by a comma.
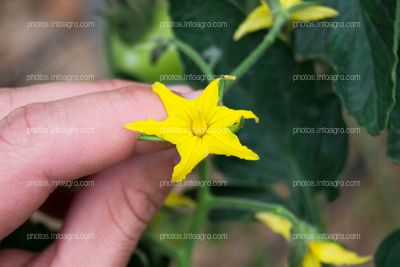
[(126, 193)]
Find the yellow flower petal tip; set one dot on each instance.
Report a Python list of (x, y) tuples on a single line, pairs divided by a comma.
[(278, 224), (329, 252), (253, 156), (197, 127), (130, 126), (262, 18), (178, 178), (313, 13), (174, 199), (254, 117)]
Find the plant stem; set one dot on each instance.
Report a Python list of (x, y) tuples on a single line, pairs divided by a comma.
[(195, 57), (203, 198), (253, 205), (280, 19), (183, 256), (200, 215), (306, 202), (183, 259)]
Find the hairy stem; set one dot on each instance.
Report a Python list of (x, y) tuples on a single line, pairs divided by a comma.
[(253, 205), (195, 57), (200, 215), (280, 19)]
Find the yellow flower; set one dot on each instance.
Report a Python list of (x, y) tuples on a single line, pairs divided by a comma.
[(329, 252), (197, 127), (317, 251), (175, 200), (277, 223), (262, 18)]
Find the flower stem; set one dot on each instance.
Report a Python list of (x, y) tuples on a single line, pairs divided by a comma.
[(195, 57), (203, 199), (200, 215), (307, 202), (280, 19), (183, 258), (253, 205)]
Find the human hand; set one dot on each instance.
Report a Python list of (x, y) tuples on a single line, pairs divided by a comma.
[(126, 173)]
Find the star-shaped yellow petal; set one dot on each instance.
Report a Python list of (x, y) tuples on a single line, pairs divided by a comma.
[(262, 18), (192, 151), (197, 127), (173, 129), (224, 117), (208, 99), (175, 105), (224, 142)]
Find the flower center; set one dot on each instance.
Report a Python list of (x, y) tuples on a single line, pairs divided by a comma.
[(199, 125)]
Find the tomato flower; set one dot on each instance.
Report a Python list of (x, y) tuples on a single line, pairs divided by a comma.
[(318, 251), (197, 127), (262, 18)]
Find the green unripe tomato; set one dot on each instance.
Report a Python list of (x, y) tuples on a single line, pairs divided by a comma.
[(133, 60)]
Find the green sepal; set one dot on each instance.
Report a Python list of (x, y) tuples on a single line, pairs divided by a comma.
[(237, 126), (152, 138)]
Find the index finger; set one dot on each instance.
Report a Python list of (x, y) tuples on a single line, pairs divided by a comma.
[(30, 151), (12, 98)]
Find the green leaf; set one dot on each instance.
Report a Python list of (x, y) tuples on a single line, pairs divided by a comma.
[(394, 121), (282, 105), (365, 51), (388, 253)]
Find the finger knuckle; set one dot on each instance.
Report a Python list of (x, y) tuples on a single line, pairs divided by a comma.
[(17, 128), (131, 212), (140, 204)]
